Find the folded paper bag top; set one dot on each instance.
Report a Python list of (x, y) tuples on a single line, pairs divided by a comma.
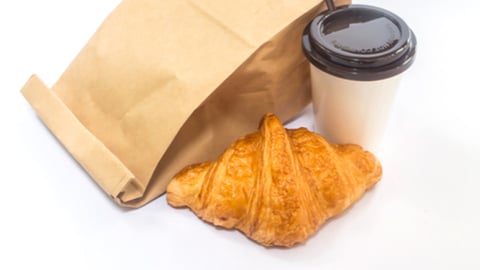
[(163, 84)]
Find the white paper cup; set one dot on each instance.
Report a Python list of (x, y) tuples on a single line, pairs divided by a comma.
[(357, 55)]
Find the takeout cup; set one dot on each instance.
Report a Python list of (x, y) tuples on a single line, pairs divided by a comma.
[(357, 55)]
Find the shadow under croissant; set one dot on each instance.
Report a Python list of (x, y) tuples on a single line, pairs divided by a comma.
[(326, 223)]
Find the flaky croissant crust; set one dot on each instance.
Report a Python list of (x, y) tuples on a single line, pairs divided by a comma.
[(276, 185)]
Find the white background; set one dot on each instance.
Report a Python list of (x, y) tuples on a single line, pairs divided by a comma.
[(424, 214)]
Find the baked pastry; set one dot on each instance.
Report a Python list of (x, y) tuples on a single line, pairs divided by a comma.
[(276, 185)]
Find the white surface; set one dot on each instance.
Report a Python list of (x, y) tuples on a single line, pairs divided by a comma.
[(424, 214)]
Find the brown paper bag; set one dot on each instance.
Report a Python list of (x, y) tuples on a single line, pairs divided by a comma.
[(166, 83)]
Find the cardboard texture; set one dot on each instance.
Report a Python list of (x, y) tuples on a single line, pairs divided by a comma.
[(166, 83)]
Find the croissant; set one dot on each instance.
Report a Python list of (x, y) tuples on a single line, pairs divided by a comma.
[(277, 186)]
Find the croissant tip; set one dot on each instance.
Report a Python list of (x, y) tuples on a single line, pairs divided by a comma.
[(269, 118), (175, 198)]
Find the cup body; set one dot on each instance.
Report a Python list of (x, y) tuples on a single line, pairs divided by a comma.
[(350, 111)]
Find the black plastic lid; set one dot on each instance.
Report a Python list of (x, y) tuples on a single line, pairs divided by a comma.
[(359, 42)]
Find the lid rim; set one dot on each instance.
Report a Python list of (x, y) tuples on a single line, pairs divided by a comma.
[(385, 64), (361, 74)]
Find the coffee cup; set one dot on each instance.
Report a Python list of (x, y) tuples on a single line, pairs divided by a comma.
[(357, 55)]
